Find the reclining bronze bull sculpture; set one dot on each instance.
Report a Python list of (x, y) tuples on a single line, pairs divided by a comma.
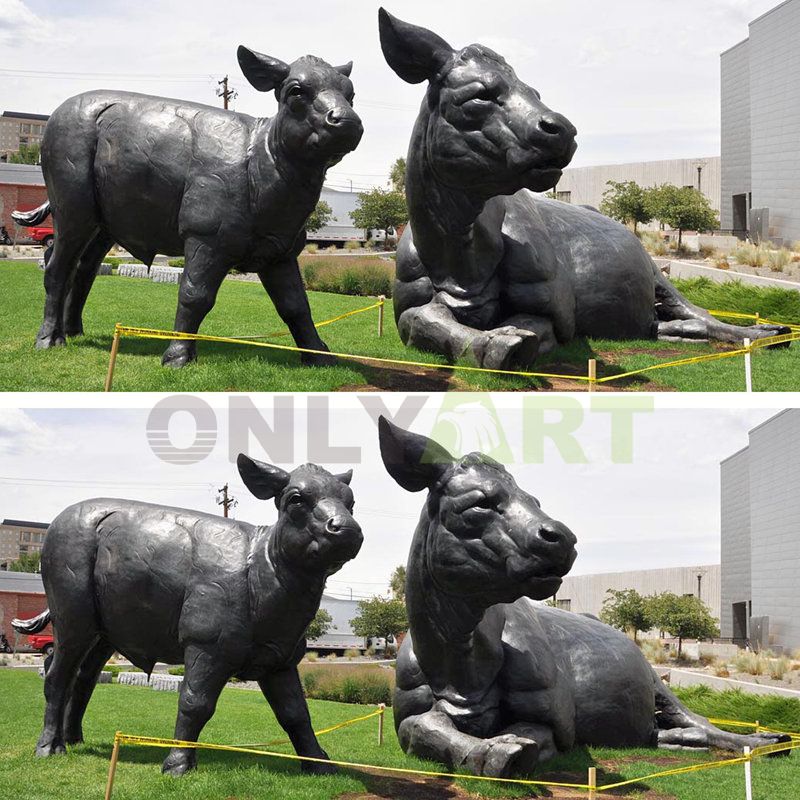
[(489, 271), (222, 189), (486, 680), (223, 597)]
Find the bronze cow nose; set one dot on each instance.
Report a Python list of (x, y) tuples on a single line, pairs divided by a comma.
[(341, 115), (557, 533), (553, 129), (341, 523)]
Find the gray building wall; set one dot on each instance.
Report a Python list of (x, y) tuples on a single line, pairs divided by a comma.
[(735, 132), (735, 544), (761, 529), (760, 82), (586, 593), (775, 117), (775, 525), (587, 184)]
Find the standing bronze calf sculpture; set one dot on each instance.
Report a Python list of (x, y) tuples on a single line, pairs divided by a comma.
[(486, 680), (222, 189), (221, 596), (486, 269)]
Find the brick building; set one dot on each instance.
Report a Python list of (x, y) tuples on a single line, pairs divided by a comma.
[(21, 187), (21, 595)]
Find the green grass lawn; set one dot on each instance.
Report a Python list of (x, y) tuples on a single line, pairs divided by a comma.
[(243, 309), (243, 717)]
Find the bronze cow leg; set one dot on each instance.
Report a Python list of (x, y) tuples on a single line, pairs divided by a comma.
[(285, 287), (82, 281), (204, 679), (203, 274), (284, 693), (82, 691)]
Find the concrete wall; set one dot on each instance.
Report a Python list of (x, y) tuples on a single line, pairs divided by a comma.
[(735, 129), (735, 544), (775, 117), (775, 525), (586, 593), (587, 184)]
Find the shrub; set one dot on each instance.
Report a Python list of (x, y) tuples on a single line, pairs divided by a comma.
[(722, 263), (176, 670), (720, 669), (361, 277), (751, 255), (777, 668), (351, 653), (654, 651), (114, 669), (778, 259), (176, 262), (312, 655), (707, 251), (351, 245), (364, 686), (311, 248), (115, 262), (751, 663)]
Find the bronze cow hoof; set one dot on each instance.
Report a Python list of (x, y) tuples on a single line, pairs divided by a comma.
[(505, 756), (178, 355), (506, 348)]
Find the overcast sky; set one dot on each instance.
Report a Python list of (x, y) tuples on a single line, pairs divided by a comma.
[(661, 509), (639, 78)]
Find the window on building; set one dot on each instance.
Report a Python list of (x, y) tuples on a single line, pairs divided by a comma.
[(564, 197), (25, 127), (566, 605)]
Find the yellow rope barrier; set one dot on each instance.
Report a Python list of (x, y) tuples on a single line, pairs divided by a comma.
[(152, 741), (591, 379)]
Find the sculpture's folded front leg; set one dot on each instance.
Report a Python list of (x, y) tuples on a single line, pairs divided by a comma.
[(433, 327), (433, 736)]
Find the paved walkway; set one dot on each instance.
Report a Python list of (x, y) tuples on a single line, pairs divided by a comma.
[(686, 677), (691, 269)]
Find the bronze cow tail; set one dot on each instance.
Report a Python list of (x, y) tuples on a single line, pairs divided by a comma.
[(33, 625), (29, 219)]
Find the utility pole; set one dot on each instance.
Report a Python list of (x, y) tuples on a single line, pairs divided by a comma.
[(227, 502), (225, 93)]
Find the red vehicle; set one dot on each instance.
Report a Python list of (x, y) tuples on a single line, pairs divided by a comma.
[(43, 642), (44, 236)]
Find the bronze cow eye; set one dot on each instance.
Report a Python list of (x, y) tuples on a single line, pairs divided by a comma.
[(295, 500), (295, 91)]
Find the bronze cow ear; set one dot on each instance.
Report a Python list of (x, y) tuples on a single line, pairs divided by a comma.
[(415, 54), (415, 462), (263, 72), (345, 69), (263, 480), (345, 477)]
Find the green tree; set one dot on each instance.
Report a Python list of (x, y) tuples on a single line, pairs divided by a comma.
[(397, 175), (320, 625), (681, 208), (626, 202), (27, 562), (27, 154), (397, 583), (682, 616), (627, 610), (320, 217), (381, 617), (380, 209)]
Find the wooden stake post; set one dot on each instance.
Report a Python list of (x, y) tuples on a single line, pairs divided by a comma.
[(382, 707), (382, 301), (748, 775), (592, 783), (112, 767), (592, 373), (112, 361), (748, 368)]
